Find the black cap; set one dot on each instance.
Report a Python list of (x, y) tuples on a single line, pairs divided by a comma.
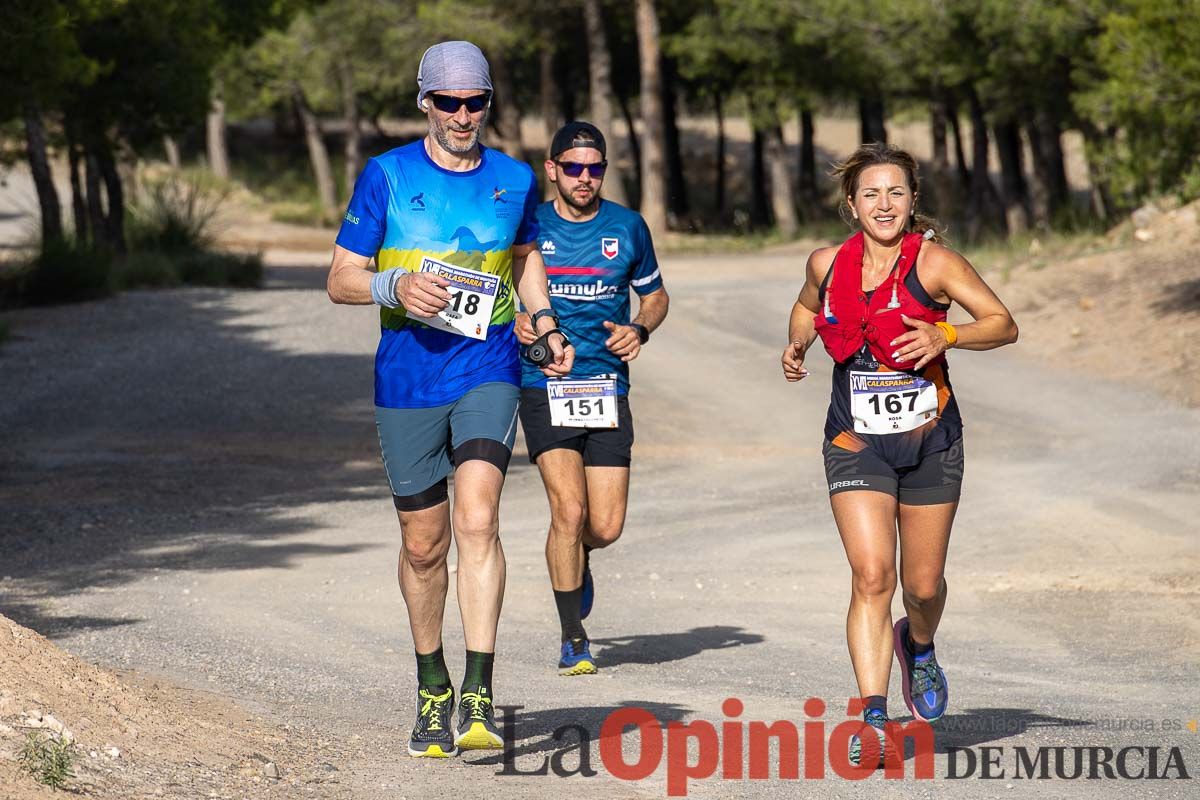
[(577, 134)]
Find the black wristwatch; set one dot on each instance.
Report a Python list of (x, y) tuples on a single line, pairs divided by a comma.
[(643, 331), (545, 312)]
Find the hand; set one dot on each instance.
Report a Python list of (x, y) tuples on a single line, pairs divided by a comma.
[(793, 362), (624, 340), (563, 357), (423, 293), (524, 329), (925, 342)]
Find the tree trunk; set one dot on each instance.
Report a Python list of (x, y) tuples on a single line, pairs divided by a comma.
[(983, 209), (551, 93), (720, 177), (960, 158), (677, 199), (1018, 213), (1046, 147), (870, 114), (79, 211), (654, 178), (783, 205), (940, 194), (635, 148), (318, 156), (171, 150), (218, 154), (808, 159), (1101, 195), (114, 218), (504, 115), (760, 215), (95, 206), (600, 81), (353, 143), (43, 180)]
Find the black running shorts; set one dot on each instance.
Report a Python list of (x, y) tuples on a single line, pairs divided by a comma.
[(600, 447), (936, 479)]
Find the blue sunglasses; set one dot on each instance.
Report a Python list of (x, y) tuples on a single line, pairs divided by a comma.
[(450, 105)]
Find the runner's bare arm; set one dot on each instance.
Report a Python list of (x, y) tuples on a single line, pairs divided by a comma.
[(946, 275), (529, 278), (800, 326), (624, 340), (349, 283)]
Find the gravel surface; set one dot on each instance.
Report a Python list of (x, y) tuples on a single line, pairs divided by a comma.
[(190, 487)]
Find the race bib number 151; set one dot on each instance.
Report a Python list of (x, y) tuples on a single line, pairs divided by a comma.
[(472, 298), (583, 404)]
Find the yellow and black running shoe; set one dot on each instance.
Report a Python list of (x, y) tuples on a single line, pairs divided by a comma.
[(477, 721), (431, 736)]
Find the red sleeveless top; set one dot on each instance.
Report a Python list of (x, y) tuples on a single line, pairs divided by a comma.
[(848, 319)]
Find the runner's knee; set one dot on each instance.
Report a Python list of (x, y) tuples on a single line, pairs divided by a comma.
[(874, 581), (605, 533), (920, 592), (568, 517), (477, 522), (425, 553)]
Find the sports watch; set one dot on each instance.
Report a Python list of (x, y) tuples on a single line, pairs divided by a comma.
[(642, 331)]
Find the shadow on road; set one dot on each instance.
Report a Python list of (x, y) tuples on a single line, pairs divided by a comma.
[(976, 726), (180, 430), (659, 648)]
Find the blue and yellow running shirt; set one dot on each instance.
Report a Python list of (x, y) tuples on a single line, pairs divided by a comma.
[(590, 267), (405, 207)]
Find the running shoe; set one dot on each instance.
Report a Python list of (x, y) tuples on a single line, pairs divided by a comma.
[(589, 588), (926, 692), (877, 720), (576, 658), (431, 736), (477, 721)]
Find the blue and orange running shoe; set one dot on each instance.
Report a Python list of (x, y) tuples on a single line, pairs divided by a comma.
[(576, 658), (926, 692), (877, 721), (431, 736)]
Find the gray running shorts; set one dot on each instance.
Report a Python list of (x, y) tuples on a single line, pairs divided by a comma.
[(422, 445)]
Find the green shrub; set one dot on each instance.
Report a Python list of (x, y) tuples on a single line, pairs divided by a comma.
[(48, 758), (146, 270), (220, 269), (66, 272), (174, 215)]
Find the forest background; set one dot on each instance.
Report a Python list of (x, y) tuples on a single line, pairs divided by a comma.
[(153, 112)]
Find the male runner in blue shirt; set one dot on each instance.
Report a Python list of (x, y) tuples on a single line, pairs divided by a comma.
[(451, 225), (581, 435)]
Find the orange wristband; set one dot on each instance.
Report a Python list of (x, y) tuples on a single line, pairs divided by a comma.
[(951, 333)]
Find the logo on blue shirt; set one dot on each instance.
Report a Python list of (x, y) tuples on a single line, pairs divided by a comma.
[(417, 203)]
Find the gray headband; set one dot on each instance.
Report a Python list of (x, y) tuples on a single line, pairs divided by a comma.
[(452, 65)]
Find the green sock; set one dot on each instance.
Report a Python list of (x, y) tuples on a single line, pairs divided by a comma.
[(431, 670), (479, 669)]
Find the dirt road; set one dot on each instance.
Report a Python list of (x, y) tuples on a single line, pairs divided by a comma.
[(190, 487)]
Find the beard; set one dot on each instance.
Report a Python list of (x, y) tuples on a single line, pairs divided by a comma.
[(441, 132), (574, 201)]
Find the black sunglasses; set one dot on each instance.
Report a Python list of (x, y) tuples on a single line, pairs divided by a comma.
[(450, 105), (573, 169)]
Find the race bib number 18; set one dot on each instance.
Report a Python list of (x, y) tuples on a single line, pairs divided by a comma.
[(583, 403), (891, 402), (472, 298)]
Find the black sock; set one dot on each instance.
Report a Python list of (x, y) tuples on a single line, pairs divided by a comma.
[(917, 648), (568, 613), (479, 669), (875, 702), (431, 670)]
